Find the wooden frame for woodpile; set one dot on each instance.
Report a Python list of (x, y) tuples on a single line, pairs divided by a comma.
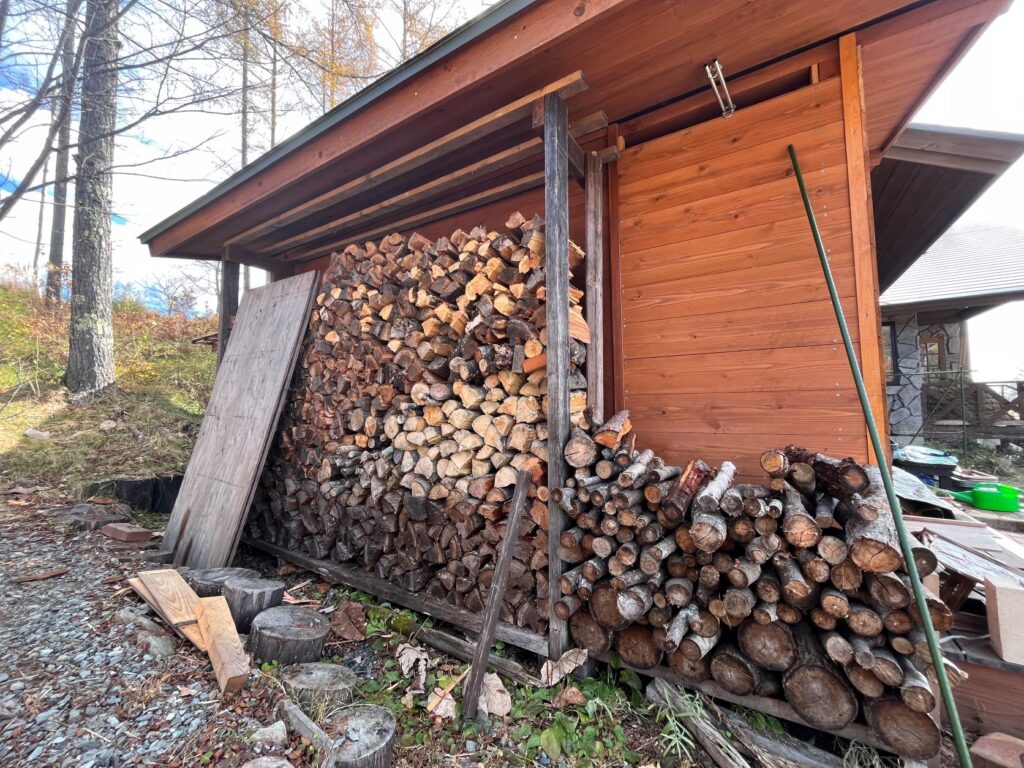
[(563, 159)]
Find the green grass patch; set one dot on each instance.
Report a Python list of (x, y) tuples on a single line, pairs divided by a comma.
[(146, 426)]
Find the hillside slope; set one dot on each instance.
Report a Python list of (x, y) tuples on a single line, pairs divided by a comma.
[(147, 426)]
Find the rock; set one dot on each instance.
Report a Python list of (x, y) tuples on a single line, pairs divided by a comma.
[(267, 762), (108, 425), (36, 434), (275, 733), (130, 615), (160, 646)]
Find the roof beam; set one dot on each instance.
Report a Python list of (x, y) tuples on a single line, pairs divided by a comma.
[(524, 184), (566, 87), (392, 205)]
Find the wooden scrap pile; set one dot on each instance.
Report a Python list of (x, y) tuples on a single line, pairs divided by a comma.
[(204, 621), (790, 588), (421, 393)]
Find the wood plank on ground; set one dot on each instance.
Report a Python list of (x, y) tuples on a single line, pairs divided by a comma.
[(230, 662), (243, 411), (189, 630)]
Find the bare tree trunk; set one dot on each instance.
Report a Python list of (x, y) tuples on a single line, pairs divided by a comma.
[(91, 353), (39, 230), (55, 265)]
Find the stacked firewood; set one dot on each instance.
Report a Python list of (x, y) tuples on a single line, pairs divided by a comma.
[(793, 587), (421, 392)]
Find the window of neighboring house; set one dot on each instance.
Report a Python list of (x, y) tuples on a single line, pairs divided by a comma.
[(933, 353), (889, 349)]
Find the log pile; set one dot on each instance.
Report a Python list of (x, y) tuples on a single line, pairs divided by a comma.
[(421, 392), (793, 588)]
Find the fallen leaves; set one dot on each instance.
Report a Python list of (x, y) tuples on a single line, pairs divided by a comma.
[(555, 671), (413, 663), (568, 698), (348, 621), (494, 698), (443, 704)]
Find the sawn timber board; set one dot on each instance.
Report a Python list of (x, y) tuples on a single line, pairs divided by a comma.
[(240, 419)]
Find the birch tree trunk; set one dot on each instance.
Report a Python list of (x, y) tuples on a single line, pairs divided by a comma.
[(55, 264), (91, 352)]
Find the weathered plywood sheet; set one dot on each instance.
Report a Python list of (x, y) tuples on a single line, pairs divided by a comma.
[(240, 419)]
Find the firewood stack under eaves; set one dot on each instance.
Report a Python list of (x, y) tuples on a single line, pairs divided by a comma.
[(420, 394)]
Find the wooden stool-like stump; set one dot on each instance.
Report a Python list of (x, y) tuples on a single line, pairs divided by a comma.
[(318, 687), (247, 598), (288, 634), (209, 582), (364, 737)]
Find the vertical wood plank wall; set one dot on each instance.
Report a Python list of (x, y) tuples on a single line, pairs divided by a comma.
[(729, 343)]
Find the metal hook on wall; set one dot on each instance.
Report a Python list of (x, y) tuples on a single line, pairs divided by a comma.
[(719, 86)]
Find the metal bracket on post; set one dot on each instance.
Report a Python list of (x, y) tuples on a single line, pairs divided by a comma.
[(719, 86)]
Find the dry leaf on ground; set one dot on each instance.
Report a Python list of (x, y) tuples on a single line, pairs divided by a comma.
[(554, 671), (569, 697), (494, 699), (349, 621), (445, 707), (413, 663)]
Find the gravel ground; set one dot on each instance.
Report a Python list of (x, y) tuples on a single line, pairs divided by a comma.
[(88, 678)]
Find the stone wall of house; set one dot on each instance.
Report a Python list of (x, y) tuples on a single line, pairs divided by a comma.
[(905, 413)]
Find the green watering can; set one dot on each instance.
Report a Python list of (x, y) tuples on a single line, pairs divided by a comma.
[(991, 496)]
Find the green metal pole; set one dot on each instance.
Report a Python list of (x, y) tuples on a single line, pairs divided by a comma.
[(890, 491)]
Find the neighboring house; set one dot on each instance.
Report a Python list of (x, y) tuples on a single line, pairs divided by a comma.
[(924, 325)]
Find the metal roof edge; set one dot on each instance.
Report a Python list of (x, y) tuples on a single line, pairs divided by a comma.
[(479, 25), (978, 133)]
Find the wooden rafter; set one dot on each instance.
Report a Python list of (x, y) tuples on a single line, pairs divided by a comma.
[(532, 181), (567, 86)]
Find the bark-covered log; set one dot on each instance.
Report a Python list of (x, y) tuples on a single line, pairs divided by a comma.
[(588, 633), (735, 672), (771, 646), (636, 647), (909, 733), (814, 686)]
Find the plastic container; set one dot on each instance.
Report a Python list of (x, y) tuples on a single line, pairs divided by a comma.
[(991, 497)]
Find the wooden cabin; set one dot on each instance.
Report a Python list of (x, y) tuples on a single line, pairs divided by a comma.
[(710, 317), (720, 337)]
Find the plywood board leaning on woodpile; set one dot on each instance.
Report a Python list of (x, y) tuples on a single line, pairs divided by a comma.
[(244, 408), (793, 588), (420, 394)]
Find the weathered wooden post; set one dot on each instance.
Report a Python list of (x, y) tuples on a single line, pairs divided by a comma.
[(556, 243)]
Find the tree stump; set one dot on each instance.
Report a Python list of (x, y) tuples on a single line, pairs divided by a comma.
[(247, 598), (318, 687), (364, 737), (288, 634), (209, 582)]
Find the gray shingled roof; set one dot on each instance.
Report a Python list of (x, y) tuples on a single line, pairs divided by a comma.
[(979, 260)]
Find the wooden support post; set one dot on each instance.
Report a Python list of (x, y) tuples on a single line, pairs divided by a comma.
[(594, 203), (556, 238), (228, 303), (495, 598), (865, 267)]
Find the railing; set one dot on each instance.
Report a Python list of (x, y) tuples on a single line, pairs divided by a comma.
[(953, 402)]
